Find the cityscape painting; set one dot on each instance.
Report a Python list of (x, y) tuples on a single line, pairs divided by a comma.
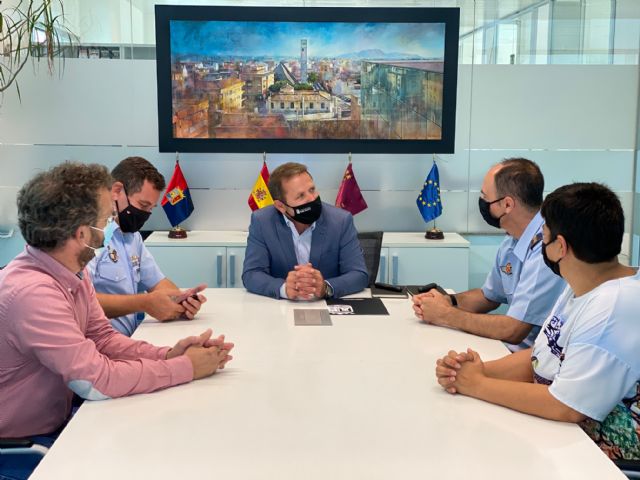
[(245, 78)]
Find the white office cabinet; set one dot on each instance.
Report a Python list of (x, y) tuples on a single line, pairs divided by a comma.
[(216, 258), (235, 260), (407, 258), (187, 266), (205, 256)]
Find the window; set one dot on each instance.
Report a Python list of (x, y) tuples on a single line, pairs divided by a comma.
[(311, 105), (272, 106), (322, 105), (292, 105), (281, 104)]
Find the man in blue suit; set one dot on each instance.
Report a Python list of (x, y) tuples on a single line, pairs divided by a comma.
[(301, 248)]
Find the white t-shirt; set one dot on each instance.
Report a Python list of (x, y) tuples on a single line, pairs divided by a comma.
[(588, 351)]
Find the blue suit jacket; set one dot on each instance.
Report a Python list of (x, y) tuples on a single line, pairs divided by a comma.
[(335, 251)]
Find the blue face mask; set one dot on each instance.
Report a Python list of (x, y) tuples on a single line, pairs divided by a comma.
[(107, 231)]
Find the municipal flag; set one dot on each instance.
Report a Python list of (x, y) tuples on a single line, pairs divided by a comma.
[(176, 201)]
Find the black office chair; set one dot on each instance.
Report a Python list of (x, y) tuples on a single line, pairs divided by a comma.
[(631, 468), (371, 243), (19, 455)]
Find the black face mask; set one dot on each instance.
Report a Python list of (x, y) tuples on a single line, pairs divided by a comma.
[(554, 266), (131, 219), (485, 211), (308, 212)]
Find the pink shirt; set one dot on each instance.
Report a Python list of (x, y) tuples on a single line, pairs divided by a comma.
[(56, 340)]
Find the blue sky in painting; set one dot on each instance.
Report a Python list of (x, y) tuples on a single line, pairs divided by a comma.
[(282, 39)]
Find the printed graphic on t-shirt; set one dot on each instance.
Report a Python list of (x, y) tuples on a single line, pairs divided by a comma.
[(552, 332)]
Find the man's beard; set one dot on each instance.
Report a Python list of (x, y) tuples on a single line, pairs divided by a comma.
[(87, 253)]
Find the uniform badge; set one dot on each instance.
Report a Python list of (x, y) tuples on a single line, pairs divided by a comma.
[(537, 238), (507, 269), (113, 255), (135, 261)]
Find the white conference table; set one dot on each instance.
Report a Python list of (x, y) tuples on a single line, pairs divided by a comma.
[(356, 400)]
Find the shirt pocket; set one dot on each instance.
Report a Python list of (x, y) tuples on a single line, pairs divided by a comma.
[(112, 272)]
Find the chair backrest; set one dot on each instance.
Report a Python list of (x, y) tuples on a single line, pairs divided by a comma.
[(371, 243)]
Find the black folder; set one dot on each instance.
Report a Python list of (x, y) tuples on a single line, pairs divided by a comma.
[(361, 306)]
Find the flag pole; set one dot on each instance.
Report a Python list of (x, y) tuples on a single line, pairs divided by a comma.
[(434, 233), (177, 231)]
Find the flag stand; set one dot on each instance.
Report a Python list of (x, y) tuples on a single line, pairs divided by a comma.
[(434, 233), (177, 232)]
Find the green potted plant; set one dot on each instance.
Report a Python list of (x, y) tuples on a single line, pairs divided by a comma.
[(30, 29)]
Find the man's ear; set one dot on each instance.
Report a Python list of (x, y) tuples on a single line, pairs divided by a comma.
[(281, 207), (80, 233), (509, 203), (564, 246), (116, 190)]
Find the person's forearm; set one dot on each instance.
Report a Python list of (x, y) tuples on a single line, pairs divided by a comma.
[(119, 305), (515, 366), (531, 398), (499, 327), (165, 284), (474, 301)]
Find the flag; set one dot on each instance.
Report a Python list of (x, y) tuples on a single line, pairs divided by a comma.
[(349, 195), (428, 201), (176, 201), (260, 195)]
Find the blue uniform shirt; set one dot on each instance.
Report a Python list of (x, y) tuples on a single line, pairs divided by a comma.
[(126, 267), (521, 279)]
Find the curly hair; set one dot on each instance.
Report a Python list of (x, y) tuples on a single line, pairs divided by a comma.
[(55, 203)]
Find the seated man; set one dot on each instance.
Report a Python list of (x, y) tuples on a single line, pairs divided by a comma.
[(510, 198), (55, 338), (584, 366), (126, 267), (301, 248)]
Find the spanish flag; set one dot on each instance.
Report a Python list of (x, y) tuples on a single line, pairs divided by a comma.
[(260, 196)]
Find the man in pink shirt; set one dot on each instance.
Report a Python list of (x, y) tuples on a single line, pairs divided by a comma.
[(54, 337)]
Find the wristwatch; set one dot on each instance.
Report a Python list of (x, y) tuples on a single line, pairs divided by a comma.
[(329, 290)]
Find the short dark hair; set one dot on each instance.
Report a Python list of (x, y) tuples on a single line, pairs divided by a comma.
[(283, 172), (590, 218), (133, 171), (54, 204), (520, 178)]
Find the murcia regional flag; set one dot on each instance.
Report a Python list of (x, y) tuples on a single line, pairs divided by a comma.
[(260, 195)]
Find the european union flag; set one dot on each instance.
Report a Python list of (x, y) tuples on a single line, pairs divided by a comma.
[(428, 201)]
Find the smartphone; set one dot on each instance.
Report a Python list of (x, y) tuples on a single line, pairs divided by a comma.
[(191, 292)]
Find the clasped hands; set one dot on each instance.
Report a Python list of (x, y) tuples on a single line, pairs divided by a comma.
[(431, 306), (460, 372), (207, 354), (305, 283)]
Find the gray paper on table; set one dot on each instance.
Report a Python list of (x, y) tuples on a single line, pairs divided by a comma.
[(306, 317)]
